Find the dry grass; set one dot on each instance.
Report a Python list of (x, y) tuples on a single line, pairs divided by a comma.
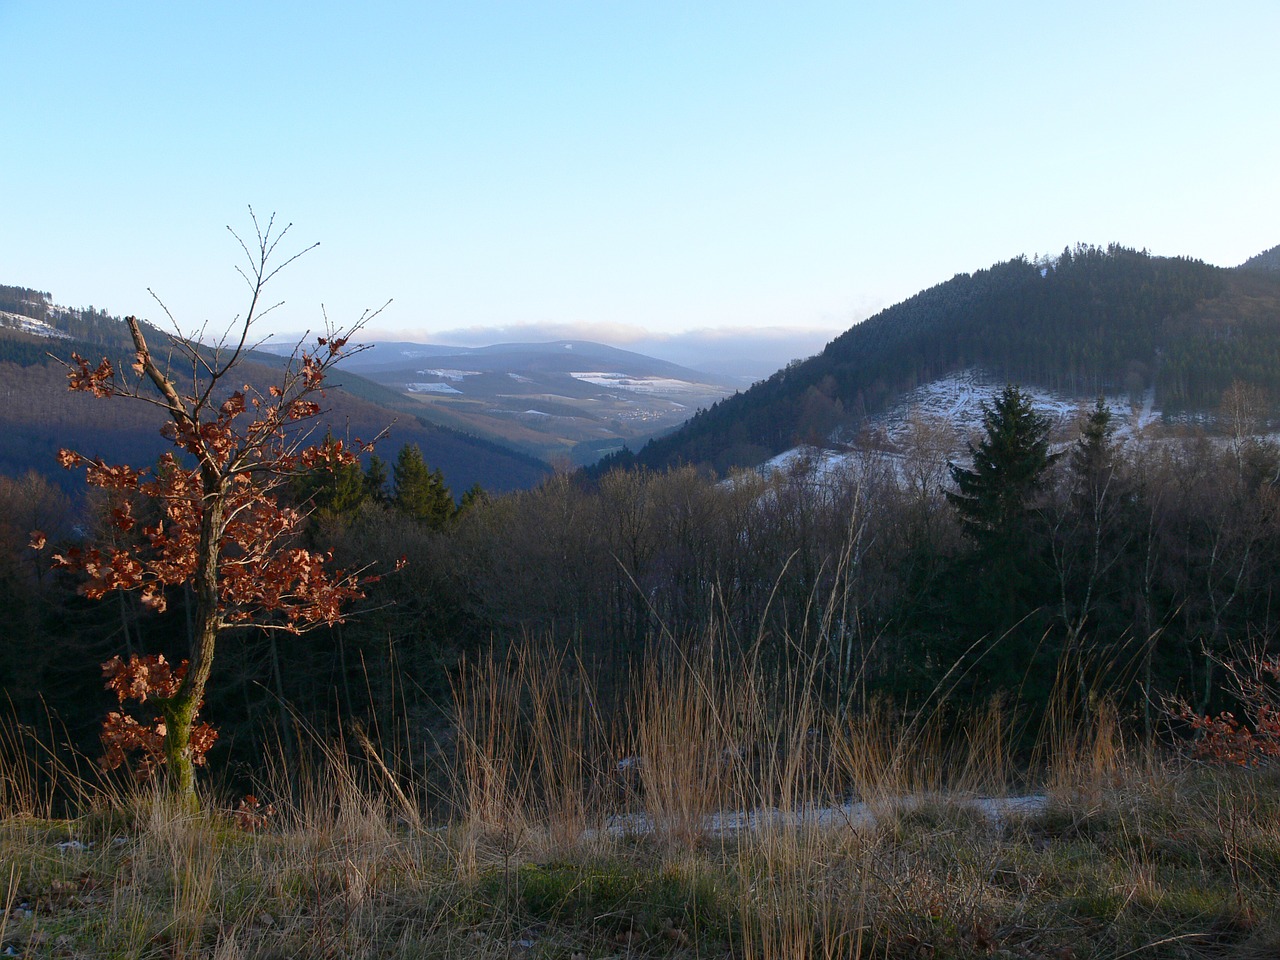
[(863, 840)]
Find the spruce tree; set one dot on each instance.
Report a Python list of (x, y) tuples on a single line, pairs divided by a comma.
[(994, 498), (1000, 592), (421, 492), (375, 479), (1094, 460), (330, 491), (1091, 536), (476, 496)]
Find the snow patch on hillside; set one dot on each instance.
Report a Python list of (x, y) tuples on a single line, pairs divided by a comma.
[(950, 411), (820, 465), (957, 400), (16, 321), (622, 381), (449, 374)]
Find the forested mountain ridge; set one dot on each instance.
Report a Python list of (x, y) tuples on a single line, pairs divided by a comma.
[(1268, 260), (38, 415), (1089, 321), (87, 325)]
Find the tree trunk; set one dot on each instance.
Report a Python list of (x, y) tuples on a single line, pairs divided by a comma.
[(181, 709), (179, 716)]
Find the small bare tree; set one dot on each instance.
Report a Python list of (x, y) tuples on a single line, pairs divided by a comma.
[(220, 528)]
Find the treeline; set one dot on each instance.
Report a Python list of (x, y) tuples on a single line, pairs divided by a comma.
[(1133, 567), (25, 302), (1268, 260), (38, 416), (86, 324), (1089, 321)]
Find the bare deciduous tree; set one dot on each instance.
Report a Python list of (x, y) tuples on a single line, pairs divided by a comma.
[(220, 528)]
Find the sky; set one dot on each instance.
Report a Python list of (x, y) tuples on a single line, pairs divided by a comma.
[(698, 172)]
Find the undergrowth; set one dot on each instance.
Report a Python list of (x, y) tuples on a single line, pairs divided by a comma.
[(720, 816)]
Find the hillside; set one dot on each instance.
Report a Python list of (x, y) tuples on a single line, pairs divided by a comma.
[(1268, 261), (564, 398), (38, 415), (1091, 321)]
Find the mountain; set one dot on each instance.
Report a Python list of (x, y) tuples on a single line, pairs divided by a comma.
[(570, 398), (1090, 321), (1268, 260), (38, 415)]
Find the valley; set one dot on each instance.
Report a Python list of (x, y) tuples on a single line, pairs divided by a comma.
[(641, 709), (640, 481), (570, 400)]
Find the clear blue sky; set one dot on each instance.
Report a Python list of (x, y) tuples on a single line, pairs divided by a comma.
[(665, 165)]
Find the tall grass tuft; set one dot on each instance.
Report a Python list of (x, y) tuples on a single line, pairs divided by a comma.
[(751, 819), (531, 749)]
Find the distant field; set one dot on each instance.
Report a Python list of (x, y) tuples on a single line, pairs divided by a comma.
[(551, 400)]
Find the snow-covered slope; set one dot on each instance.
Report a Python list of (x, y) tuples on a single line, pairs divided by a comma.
[(17, 321), (957, 401), (944, 415)]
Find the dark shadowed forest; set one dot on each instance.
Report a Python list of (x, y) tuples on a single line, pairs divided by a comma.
[(1135, 566)]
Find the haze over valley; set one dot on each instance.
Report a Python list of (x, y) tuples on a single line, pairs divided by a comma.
[(1162, 338), (562, 399)]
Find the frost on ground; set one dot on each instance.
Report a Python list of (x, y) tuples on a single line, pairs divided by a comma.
[(851, 814), (950, 410)]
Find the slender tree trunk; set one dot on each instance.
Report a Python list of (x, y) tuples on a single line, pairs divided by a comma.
[(180, 709), (124, 625), (286, 735), (342, 666)]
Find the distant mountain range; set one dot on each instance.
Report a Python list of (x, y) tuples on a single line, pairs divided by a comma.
[(1163, 336), (38, 415), (496, 415), (1091, 321), (567, 398)]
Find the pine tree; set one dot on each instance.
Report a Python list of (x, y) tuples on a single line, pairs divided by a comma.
[(476, 496), (1093, 459), (998, 594), (330, 492), (1092, 531), (375, 479), (421, 492), (994, 497)]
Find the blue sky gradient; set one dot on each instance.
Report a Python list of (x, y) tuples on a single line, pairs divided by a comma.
[(611, 167)]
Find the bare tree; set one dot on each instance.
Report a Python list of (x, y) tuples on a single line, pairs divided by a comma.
[(221, 529)]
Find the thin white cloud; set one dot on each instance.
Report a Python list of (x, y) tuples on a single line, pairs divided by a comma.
[(614, 334), (618, 334)]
